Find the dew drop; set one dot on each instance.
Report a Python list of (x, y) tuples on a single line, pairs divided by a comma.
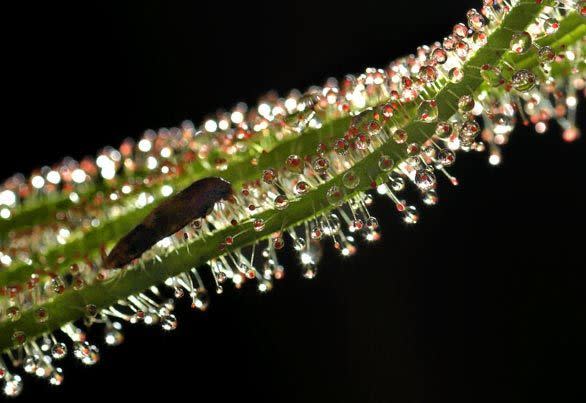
[(18, 337), (425, 180), (56, 377), (372, 223), (294, 163), (491, 75), (13, 385), (446, 157), (335, 196), (521, 42), (13, 313), (31, 363), (428, 74), (299, 244), (397, 182), (350, 180), (169, 322), (113, 335), (439, 55), (258, 224), (503, 124), (551, 25), (546, 54), (309, 270), (430, 197), (385, 163), (269, 175), (462, 49), (469, 130), (465, 103), (523, 80), (341, 147), (428, 111), (59, 351), (443, 129), (356, 225), (88, 354), (316, 233), (400, 136), (455, 75), (410, 215), (460, 30), (91, 310), (281, 202), (321, 165), (278, 242), (301, 188), (475, 20)]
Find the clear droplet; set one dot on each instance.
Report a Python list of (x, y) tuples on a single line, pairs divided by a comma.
[(18, 337), (523, 80), (13, 313), (316, 233), (309, 270), (446, 157), (462, 49), (469, 130), (443, 129), (113, 335), (546, 54), (397, 182), (465, 103), (56, 378), (551, 25), (258, 224), (341, 146), (521, 42), (385, 163), (425, 180), (475, 20), (410, 215), (278, 242), (503, 124), (31, 363), (169, 322), (430, 197), (301, 188), (455, 75), (281, 202), (88, 354), (428, 111), (59, 351), (350, 180), (400, 136), (491, 75), (335, 196), (321, 165), (269, 175), (439, 55), (299, 244), (372, 223), (294, 163), (13, 385), (91, 310)]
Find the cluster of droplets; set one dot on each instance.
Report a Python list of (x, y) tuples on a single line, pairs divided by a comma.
[(378, 103)]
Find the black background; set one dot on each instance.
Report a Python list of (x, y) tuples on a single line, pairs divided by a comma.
[(483, 301)]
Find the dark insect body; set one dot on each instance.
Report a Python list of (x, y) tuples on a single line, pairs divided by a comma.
[(193, 202)]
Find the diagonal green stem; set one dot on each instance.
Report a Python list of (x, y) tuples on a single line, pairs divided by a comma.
[(69, 305)]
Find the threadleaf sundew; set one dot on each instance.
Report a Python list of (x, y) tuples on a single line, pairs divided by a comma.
[(303, 169)]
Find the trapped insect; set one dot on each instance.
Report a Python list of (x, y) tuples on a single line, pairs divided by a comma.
[(193, 202)]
